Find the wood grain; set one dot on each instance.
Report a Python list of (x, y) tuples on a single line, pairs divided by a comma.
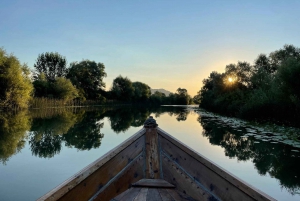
[(157, 183), (89, 180), (132, 195), (153, 195), (142, 196), (182, 181), (118, 197), (164, 194), (152, 154), (122, 182), (214, 178)]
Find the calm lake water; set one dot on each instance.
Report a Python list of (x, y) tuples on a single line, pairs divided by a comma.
[(42, 148)]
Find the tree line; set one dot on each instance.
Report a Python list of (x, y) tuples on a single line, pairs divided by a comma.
[(268, 89), (82, 81)]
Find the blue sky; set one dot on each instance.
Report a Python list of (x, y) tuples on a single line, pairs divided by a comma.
[(165, 44)]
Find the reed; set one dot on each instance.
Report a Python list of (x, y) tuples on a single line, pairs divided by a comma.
[(37, 103)]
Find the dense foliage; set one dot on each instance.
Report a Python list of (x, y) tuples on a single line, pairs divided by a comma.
[(79, 84), (125, 90), (270, 88), (88, 76), (50, 78), (52, 64), (13, 128), (122, 89), (141, 91), (15, 86)]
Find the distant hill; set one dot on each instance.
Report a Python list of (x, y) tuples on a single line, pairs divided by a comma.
[(161, 90)]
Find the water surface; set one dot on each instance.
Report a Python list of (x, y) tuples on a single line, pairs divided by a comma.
[(42, 148)]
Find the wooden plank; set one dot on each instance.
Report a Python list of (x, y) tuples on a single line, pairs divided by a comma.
[(152, 156), (121, 195), (158, 183), (182, 181), (153, 195), (164, 194), (221, 182), (197, 173), (174, 194), (142, 196), (123, 181), (178, 196), (105, 173), (132, 195), (70, 183)]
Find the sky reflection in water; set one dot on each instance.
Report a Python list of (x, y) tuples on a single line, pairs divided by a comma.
[(41, 149)]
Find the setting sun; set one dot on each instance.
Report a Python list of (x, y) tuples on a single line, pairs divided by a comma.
[(230, 79)]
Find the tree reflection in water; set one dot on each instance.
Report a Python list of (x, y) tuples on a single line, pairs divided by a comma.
[(13, 127), (47, 132), (77, 128), (86, 133), (277, 160), (81, 129)]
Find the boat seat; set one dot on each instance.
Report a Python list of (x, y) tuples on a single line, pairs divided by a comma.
[(153, 183), (151, 190)]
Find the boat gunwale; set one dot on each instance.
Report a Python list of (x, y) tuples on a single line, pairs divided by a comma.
[(66, 186), (70, 183), (223, 173)]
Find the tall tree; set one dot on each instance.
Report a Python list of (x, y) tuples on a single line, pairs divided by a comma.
[(141, 91), (122, 89), (15, 85), (197, 98), (52, 64), (279, 56), (157, 98), (240, 72), (41, 86), (288, 83), (183, 98), (88, 76), (263, 62), (63, 89)]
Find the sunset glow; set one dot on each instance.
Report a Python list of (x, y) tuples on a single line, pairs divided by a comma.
[(165, 45)]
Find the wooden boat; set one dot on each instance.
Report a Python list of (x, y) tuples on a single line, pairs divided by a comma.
[(153, 165)]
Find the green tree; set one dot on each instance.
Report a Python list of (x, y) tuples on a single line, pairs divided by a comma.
[(15, 86), (142, 91), (263, 62), (52, 64), (183, 98), (88, 76), (270, 85), (158, 98), (240, 73), (41, 86), (197, 98), (171, 99), (288, 82), (64, 89), (279, 56), (122, 89)]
